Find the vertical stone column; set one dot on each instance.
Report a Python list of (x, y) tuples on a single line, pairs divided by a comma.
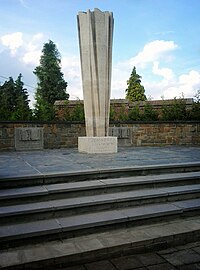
[(95, 41)]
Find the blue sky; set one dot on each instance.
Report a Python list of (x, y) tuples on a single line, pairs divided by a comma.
[(159, 37)]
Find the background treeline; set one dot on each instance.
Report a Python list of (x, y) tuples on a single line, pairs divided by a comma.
[(177, 110), (51, 87)]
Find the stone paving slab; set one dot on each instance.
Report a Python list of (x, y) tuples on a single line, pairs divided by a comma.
[(92, 220), (127, 262), (74, 186), (150, 178), (29, 208), (101, 265), (162, 266), (70, 160), (149, 211), (182, 257), (186, 204), (21, 231), (179, 189), (195, 266), (23, 192)]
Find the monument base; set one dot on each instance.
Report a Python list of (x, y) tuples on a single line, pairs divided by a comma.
[(95, 145)]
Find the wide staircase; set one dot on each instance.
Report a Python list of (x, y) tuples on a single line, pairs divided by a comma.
[(52, 221)]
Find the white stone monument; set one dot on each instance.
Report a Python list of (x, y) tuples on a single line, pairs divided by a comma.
[(95, 41)]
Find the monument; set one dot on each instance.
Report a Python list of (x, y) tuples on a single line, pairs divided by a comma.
[(95, 40)]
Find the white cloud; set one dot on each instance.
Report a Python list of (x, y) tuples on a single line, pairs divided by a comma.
[(30, 46), (72, 74), (12, 41), (186, 84), (189, 83), (33, 50), (161, 81), (35, 42), (32, 57), (166, 73), (153, 51), (190, 79)]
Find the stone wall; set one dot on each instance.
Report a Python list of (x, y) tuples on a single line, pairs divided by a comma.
[(65, 135), (55, 135), (150, 134)]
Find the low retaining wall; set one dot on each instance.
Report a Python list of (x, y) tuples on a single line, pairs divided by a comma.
[(65, 134)]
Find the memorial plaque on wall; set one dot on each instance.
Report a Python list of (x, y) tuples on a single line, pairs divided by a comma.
[(29, 138), (124, 135)]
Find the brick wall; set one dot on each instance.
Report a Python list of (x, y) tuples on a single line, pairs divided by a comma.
[(65, 135), (62, 106)]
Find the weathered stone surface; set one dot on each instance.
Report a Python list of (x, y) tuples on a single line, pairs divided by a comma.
[(124, 135), (127, 262), (101, 265), (28, 138), (182, 257), (94, 145), (95, 40)]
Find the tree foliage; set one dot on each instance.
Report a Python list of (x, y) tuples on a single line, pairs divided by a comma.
[(135, 91), (51, 84), (195, 112), (77, 114), (177, 110), (14, 103)]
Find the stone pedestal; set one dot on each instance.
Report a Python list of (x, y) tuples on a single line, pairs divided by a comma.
[(95, 145)]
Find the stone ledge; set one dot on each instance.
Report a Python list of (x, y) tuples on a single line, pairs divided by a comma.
[(94, 145)]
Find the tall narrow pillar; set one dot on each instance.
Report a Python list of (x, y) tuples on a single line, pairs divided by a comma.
[(95, 41)]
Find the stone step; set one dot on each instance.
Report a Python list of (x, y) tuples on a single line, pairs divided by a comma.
[(74, 206), (65, 227), (94, 187), (101, 245), (43, 179), (85, 204)]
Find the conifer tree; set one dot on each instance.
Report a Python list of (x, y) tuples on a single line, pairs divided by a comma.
[(135, 91), (14, 103), (51, 84)]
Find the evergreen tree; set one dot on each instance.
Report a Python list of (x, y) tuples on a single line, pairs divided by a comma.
[(14, 103), (7, 99), (135, 91), (22, 110), (51, 84)]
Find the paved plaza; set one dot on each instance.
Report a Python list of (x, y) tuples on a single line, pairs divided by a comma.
[(185, 257), (30, 163)]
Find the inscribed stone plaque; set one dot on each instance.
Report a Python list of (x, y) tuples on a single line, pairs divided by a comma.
[(99, 145), (29, 138), (124, 135)]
